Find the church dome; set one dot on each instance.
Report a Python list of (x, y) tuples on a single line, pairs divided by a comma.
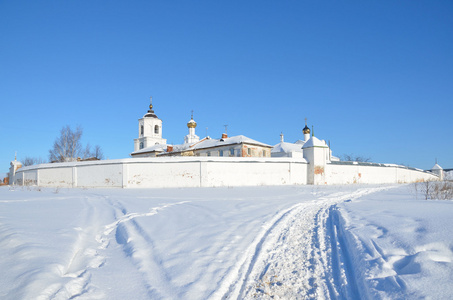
[(150, 113), (192, 123), (306, 130)]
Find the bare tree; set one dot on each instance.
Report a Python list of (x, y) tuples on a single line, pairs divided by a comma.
[(29, 161), (68, 147), (97, 152), (353, 157)]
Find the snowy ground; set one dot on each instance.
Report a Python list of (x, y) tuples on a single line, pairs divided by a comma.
[(297, 242)]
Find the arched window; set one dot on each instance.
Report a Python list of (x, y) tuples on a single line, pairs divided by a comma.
[(141, 145), (156, 129), (142, 130)]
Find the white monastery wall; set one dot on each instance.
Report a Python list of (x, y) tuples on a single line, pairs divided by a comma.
[(373, 174), (54, 177), (210, 172), (167, 172), (255, 173), (158, 173), (106, 175)]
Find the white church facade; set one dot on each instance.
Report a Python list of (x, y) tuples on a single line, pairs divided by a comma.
[(209, 162)]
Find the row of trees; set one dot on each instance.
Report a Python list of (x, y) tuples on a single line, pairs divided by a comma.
[(353, 157), (68, 147)]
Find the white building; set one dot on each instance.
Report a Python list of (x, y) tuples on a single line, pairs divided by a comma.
[(438, 170), (151, 144), (14, 166), (284, 149), (149, 131)]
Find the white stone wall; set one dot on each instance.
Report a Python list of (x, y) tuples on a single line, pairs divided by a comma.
[(167, 172), (207, 172), (372, 174)]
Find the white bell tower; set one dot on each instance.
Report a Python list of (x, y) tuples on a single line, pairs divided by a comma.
[(149, 130)]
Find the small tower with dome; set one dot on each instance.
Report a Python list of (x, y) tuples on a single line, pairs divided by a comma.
[(149, 130), (191, 137), (306, 131)]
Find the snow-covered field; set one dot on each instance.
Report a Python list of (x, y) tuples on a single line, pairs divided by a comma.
[(292, 242)]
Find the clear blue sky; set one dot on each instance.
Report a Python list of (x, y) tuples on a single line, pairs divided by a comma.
[(373, 77)]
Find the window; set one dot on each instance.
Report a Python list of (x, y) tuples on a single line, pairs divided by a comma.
[(156, 129), (220, 152), (141, 145), (231, 152), (249, 151), (264, 153), (208, 153), (142, 130)]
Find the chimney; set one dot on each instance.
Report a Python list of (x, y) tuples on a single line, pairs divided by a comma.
[(224, 135), (169, 148)]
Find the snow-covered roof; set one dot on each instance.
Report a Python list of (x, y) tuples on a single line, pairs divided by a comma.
[(234, 140), (436, 167), (299, 142), (153, 148), (314, 142), (286, 148)]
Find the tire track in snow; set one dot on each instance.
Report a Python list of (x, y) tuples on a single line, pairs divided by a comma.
[(138, 245), (297, 255), (76, 273), (93, 239)]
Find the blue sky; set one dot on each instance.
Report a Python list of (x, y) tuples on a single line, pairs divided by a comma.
[(373, 77)]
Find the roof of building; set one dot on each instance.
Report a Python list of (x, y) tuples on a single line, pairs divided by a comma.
[(286, 148), (234, 140), (299, 142), (153, 148), (314, 142), (436, 167)]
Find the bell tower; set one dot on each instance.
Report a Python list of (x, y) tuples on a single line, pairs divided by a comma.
[(149, 130)]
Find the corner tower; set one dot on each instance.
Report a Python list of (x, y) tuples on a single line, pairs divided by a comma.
[(149, 130)]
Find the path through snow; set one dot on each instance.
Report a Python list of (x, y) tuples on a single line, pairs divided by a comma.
[(299, 242), (299, 255)]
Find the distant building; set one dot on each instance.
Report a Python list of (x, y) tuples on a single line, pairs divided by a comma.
[(296, 150), (14, 166), (436, 169), (151, 144)]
